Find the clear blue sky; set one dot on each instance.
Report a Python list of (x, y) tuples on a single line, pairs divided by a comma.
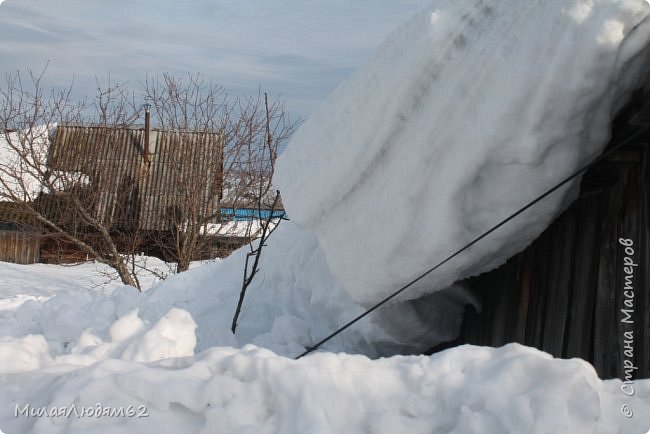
[(299, 49)]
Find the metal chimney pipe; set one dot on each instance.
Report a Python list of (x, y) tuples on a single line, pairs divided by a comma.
[(147, 129)]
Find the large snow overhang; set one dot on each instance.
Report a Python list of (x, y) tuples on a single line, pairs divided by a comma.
[(465, 114), (567, 292)]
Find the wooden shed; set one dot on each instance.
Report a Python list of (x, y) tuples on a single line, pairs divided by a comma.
[(17, 246), (582, 289), (19, 236)]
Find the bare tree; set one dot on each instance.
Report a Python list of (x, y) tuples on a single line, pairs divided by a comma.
[(252, 262), (66, 198), (60, 202), (251, 130), (189, 104)]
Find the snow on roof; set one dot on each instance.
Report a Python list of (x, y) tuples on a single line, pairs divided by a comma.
[(23, 154), (464, 115)]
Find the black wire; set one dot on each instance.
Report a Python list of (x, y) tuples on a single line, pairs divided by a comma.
[(476, 240)]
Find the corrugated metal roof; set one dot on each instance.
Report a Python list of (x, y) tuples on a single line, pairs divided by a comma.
[(183, 164)]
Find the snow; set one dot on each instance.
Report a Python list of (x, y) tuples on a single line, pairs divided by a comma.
[(46, 280), (237, 228), (169, 350), (225, 390), (23, 170), (21, 176), (293, 300), (465, 114), (527, 75)]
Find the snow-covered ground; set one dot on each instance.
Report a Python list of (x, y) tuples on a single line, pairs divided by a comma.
[(168, 355), (40, 282), (469, 109), (466, 390)]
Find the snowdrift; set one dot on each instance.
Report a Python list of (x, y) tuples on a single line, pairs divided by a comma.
[(512, 389), (464, 115), (293, 302), (83, 361)]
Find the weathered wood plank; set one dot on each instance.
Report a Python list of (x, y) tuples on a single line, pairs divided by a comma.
[(605, 357), (579, 331), (557, 289), (525, 287), (629, 287), (19, 247), (643, 300), (535, 322)]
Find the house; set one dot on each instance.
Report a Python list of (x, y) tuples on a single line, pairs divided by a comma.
[(153, 182)]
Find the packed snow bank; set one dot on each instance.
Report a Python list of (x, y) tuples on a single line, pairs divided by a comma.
[(513, 389), (48, 280), (293, 301), (154, 354), (466, 113)]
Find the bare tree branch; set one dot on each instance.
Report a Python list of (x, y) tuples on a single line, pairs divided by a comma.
[(255, 254)]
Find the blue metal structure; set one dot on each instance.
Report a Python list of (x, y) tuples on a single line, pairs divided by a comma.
[(246, 214)]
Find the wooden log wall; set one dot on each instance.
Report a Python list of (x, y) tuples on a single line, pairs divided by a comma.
[(566, 294), (19, 247)]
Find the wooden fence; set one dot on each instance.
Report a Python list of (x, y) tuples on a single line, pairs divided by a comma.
[(19, 247)]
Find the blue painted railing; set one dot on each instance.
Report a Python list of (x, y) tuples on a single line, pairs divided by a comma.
[(244, 214)]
